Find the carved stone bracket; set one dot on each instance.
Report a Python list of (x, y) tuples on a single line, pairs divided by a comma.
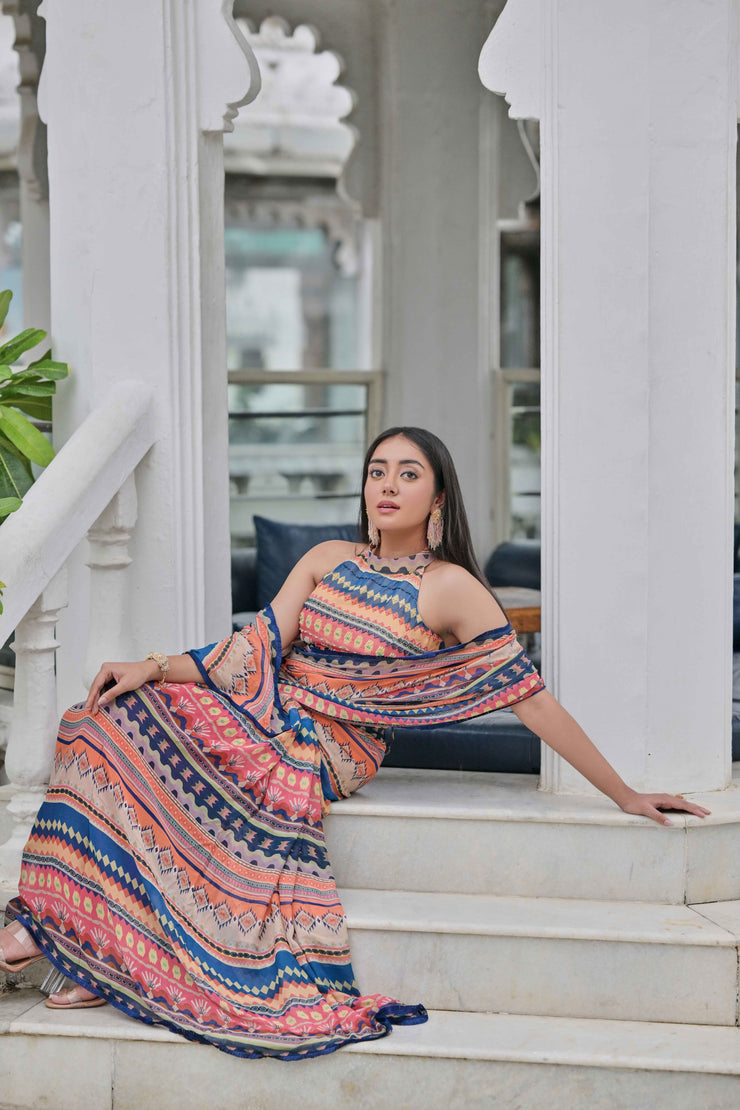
[(30, 40), (512, 61), (204, 34), (228, 74)]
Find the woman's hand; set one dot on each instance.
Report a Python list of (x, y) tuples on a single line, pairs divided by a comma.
[(127, 676), (650, 805)]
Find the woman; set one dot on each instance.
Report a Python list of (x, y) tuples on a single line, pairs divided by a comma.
[(178, 867)]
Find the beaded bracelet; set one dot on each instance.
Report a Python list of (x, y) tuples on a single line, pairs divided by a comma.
[(162, 662)]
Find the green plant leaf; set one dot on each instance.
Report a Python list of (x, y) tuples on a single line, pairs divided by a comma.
[(10, 352), (5, 298), (9, 505), (14, 478), (48, 368), (5, 372), (22, 433), (11, 449), (20, 376), (38, 408), (25, 388)]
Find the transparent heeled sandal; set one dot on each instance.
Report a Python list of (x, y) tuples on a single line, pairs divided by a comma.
[(53, 982), (26, 942)]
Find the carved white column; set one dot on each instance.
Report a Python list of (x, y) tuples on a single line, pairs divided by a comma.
[(638, 137), (137, 273), (33, 730), (109, 557)]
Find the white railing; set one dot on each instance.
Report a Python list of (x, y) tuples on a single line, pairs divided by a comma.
[(88, 490)]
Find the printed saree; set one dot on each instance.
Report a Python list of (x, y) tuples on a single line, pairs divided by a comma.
[(178, 866)]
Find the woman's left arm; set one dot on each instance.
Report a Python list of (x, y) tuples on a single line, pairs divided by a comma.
[(545, 716), (455, 602)]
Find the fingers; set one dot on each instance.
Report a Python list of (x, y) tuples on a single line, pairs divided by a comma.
[(678, 802), (104, 675), (119, 688), (656, 815), (650, 805)]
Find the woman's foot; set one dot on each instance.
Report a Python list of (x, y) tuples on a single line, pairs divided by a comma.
[(75, 998), (18, 949)]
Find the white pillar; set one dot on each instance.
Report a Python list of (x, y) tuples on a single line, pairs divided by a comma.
[(434, 210), (637, 103), (135, 97)]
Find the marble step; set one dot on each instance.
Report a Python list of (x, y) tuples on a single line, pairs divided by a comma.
[(101, 1060), (478, 833), (549, 957)]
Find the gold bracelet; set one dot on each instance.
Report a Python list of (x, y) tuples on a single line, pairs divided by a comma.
[(162, 662)]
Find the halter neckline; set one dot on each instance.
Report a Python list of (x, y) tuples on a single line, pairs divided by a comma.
[(399, 564)]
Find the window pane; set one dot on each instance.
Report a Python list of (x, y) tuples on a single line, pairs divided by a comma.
[(295, 454), (524, 400), (288, 307), (520, 299), (11, 276)]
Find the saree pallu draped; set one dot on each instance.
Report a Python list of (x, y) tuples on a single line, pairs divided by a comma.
[(178, 865)]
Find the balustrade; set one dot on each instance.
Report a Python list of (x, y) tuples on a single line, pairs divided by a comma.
[(34, 722), (67, 502), (109, 556)]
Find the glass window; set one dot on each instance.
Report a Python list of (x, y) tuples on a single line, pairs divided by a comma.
[(525, 473), (288, 306), (520, 298), (295, 453), (298, 422), (517, 390)]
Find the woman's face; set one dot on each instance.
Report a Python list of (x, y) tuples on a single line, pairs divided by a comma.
[(399, 491)]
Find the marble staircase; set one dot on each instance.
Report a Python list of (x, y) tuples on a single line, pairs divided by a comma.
[(570, 956)]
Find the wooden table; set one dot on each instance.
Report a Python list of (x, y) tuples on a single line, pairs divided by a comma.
[(523, 607)]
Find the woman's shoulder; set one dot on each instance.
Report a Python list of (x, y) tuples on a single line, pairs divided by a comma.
[(451, 576), (326, 556), (457, 604)]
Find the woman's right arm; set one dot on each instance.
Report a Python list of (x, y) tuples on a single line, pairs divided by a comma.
[(286, 607), (130, 676)]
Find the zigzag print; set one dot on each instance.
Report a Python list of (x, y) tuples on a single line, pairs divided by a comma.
[(178, 865)]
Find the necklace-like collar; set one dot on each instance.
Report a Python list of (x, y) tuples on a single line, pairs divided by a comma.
[(400, 564)]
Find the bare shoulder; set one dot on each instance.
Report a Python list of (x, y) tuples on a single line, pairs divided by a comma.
[(324, 557), (456, 604), (449, 577)]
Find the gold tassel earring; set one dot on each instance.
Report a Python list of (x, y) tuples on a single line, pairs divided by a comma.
[(435, 529), (373, 533)]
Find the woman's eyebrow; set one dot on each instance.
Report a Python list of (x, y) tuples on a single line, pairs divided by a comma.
[(402, 462)]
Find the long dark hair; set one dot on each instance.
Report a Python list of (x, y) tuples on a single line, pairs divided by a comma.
[(457, 546)]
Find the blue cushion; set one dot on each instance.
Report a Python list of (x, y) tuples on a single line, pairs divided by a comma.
[(493, 742), (515, 563), (280, 546)]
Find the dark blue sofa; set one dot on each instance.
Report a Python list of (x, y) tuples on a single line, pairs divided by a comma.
[(494, 742)]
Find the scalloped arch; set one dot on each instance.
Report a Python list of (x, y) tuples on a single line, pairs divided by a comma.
[(301, 92)]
